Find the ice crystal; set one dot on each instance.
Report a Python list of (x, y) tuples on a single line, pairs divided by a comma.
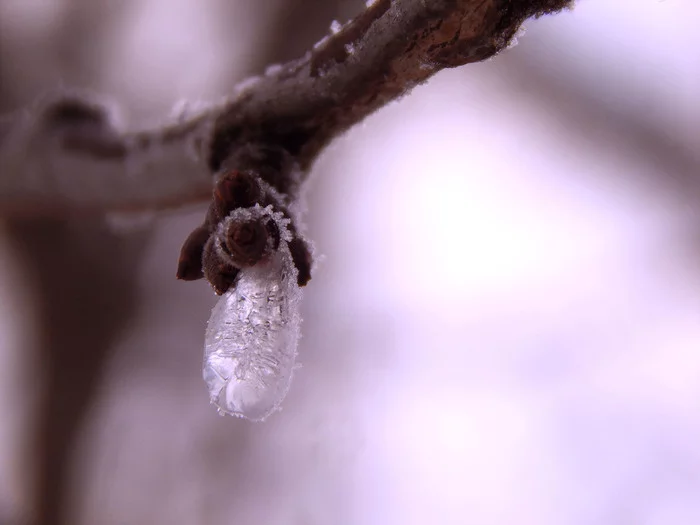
[(251, 339)]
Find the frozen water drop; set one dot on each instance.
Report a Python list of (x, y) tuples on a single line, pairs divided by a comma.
[(251, 339), (335, 27)]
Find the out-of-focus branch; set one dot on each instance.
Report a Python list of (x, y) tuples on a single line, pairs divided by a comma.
[(630, 133), (69, 156)]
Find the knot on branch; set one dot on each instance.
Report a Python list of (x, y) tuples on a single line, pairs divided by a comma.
[(74, 111), (246, 220), (80, 123)]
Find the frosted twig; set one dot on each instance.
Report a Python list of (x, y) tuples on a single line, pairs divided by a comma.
[(70, 156)]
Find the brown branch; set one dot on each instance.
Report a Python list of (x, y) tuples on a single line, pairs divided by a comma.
[(77, 159), (376, 58)]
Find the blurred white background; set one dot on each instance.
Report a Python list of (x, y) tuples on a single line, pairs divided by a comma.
[(505, 324)]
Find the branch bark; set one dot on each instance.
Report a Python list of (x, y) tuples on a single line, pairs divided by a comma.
[(67, 155)]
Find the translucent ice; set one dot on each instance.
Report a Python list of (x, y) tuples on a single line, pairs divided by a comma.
[(251, 339)]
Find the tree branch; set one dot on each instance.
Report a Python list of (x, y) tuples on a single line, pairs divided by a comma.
[(68, 155)]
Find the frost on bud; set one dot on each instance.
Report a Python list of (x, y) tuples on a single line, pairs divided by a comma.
[(252, 335), (251, 253), (243, 239), (247, 240)]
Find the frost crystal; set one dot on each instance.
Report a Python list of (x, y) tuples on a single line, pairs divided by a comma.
[(251, 339), (321, 42), (273, 69)]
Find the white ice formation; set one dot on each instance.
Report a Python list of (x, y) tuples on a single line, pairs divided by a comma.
[(251, 338)]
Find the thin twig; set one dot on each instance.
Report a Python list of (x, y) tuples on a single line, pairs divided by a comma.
[(76, 159)]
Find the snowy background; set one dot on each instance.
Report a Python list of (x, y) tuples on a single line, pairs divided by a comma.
[(504, 328)]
